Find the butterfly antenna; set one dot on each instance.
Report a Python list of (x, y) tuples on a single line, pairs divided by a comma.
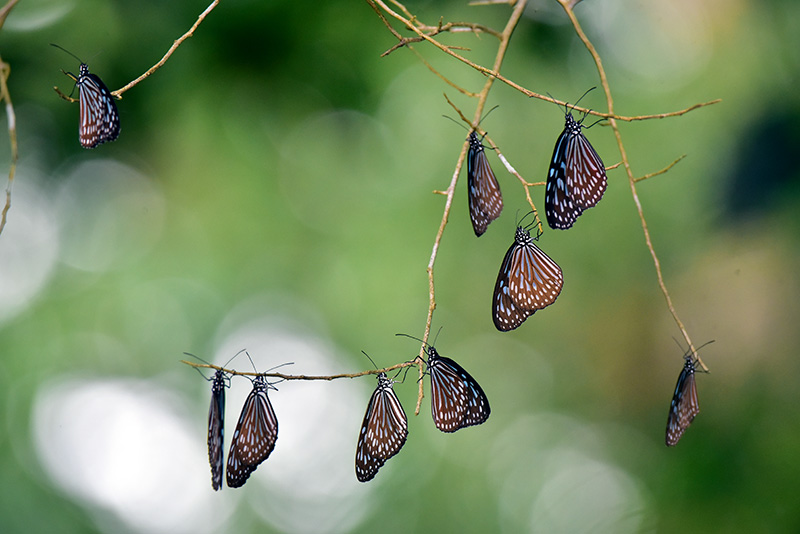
[(67, 51), (525, 217), (370, 359), (584, 94)]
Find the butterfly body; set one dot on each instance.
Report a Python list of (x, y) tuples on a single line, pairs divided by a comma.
[(685, 406), (255, 435), (485, 200), (383, 431), (457, 400), (576, 179), (528, 281)]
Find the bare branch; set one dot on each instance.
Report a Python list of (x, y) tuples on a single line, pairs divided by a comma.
[(175, 45)]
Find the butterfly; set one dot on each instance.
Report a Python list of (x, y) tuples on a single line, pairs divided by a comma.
[(383, 431), (684, 406), (528, 281), (576, 180), (255, 435), (216, 415), (485, 200), (457, 400), (99, 118)]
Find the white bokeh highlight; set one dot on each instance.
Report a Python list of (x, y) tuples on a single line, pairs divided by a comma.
[(123, 448)]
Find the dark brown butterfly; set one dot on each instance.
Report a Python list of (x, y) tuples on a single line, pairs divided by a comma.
[(255, 434), (383, 431), (576, 179), (99, 118), (528, 281), (485, 200), (684, 407)]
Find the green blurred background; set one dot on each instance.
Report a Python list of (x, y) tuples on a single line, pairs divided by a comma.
[(271, 190)]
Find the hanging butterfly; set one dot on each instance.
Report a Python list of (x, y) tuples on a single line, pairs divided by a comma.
[(576, 180), (216, 421), (684, 407), (255, 435), (528, 281), (457, 400), (383, 431), (485, 200), (99, 118)]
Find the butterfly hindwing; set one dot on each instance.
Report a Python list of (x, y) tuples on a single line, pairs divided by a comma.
[(457, 400)]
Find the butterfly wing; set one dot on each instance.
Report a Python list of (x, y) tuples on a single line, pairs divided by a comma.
[(685, 406), (254, 437), (534, 280), (585, 173), (485, 200), (99, 118), (216, 414), (477, 404), (383, 431)]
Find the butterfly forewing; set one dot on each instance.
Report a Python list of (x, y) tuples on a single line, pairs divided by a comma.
[(457, 401), (684, 407), (383, 431), (559, 207), (99, 118), (576, 179), (254, 437), (216, 415), (485, 200)]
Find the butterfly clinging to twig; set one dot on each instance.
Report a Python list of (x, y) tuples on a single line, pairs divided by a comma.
[(383, 431), (576, 179), (528, 281), (99, 118)]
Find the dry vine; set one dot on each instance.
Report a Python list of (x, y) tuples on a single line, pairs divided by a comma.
[(427, 34)]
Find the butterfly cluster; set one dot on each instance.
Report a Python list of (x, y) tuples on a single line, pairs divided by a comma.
[(254, 437), (99, 118)]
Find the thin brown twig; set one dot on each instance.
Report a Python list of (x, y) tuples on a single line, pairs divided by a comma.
[(409, 24), (298, 377), (612, 119), (175, 45), (5, 10), (5, 71), (662, 171)]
